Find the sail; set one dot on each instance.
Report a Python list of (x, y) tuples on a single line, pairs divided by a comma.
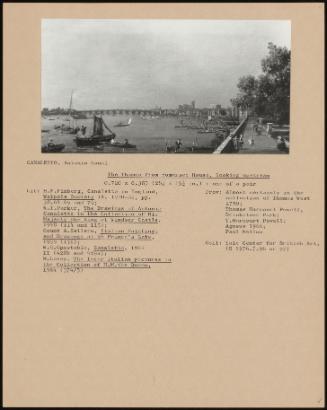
[(129, 121), (106, 126), (97, 126)]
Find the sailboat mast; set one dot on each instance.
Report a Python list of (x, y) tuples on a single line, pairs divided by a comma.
[(71, 102), (70, 107)]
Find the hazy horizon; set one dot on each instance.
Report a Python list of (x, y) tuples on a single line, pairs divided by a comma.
[(147, 63)]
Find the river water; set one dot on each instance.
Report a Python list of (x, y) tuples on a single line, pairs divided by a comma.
[(149, 135)]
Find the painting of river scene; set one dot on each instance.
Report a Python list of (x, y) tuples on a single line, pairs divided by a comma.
[(165, 86)]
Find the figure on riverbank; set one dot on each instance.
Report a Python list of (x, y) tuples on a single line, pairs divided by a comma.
[(251, 141), (178, 145), (281, 143), (169, 147)]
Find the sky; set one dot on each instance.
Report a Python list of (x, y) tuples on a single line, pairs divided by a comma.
[(152, 63)]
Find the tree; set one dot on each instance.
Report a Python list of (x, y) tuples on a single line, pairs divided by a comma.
[(248, 86), (263, 105), (269, 94), (276, 81)]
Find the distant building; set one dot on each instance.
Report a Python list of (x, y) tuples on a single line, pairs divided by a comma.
[(187, 109)]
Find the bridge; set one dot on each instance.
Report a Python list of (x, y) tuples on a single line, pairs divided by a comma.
[(152, 112)]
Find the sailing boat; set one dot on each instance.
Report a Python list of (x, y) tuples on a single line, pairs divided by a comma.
[(121, 124), (98, 135), (52, 147), (69, 128)]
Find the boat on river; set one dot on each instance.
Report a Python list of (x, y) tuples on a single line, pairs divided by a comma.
[(97, 136), (72, 116), (123, 145), (51, 147), (68, 128), (122, 124), (99, 147), (206, 131)]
